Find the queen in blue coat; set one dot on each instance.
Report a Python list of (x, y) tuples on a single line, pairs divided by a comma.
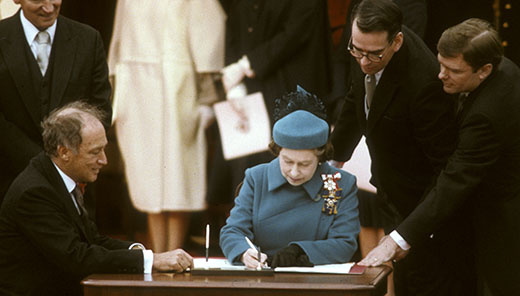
[(298, 209)]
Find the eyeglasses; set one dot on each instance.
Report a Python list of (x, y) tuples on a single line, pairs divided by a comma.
[(372, 56)]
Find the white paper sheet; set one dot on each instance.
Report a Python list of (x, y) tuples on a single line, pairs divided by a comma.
[(343, 268), (216, 263), (247, 134)]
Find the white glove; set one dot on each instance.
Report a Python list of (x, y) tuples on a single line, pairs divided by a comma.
[(237, 92), (234, 74)]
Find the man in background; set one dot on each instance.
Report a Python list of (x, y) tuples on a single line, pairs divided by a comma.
[(47, 242), (46, 61)]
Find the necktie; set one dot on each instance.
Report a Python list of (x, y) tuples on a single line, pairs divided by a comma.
[(460, 101), (43, 41), (78, 195), (370, 87), (79, 200)]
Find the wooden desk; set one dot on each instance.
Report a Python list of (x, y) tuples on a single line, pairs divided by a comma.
[(372, 282)]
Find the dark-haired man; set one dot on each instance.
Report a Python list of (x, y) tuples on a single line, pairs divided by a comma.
[(396, 101), (47, 242), (483, 174)]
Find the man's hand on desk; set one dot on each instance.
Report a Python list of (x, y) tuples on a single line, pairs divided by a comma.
[(386, 250), (176, 260)]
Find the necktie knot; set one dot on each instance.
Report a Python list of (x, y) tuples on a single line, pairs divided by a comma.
[(43, 37), (370, 87), (43, 42)]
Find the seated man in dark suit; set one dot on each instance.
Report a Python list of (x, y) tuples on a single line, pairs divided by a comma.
[(47, 242)]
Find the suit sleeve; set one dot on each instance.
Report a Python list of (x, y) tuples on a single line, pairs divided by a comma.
[(346, 134), (239, 224), (294, 34), (100, 91), (18, 148), (433, 123), (54, 233), (478, 150), (108, 242), (341, 241)]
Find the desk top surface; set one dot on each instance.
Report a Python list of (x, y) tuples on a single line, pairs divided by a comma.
[(366, 281)]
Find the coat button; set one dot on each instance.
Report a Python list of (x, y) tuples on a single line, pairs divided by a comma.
[(507, 6), (505, 25), (504, 43), (250, 29)]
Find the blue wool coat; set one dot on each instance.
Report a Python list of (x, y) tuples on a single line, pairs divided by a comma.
[(275, 214)]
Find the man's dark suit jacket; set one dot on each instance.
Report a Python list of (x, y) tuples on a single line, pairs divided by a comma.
[(288, 43), (484, 172), (410, 134), (46, 248), (408, 124), (77, 70)]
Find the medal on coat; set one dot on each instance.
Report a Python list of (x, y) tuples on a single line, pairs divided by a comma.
[(331, 193)]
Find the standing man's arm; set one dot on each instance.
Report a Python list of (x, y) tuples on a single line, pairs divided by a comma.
[(477, 151), (100, 91), (433, 121), (346, 134)]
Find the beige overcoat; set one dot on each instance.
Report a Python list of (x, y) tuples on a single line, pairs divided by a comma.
[(157, 49)]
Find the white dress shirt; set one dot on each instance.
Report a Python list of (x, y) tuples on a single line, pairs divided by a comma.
[(31, 31)]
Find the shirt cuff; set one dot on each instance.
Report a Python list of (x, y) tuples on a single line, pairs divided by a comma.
[(148, 261), (399, 240)]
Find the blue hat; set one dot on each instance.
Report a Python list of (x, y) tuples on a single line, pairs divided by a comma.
[(301, 130)]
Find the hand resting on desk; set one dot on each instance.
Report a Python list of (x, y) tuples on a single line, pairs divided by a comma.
[(177, 260)]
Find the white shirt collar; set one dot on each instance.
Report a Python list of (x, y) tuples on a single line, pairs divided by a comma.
[(378, 75), (30, 30), (69, 183)]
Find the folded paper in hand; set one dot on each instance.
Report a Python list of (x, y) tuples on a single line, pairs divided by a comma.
[(244, 126)]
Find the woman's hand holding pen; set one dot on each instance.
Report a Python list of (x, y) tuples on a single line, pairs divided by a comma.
[(250, 258)]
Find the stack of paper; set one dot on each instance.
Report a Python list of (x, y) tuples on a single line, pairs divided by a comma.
[(223, 264)]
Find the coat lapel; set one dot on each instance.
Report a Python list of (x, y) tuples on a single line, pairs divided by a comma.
[(383, 95), (358, 91), (63, 194), (64, 51), (12, 48), (386, 88)]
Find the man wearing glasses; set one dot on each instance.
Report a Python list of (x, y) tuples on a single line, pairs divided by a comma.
[(396, 101)]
